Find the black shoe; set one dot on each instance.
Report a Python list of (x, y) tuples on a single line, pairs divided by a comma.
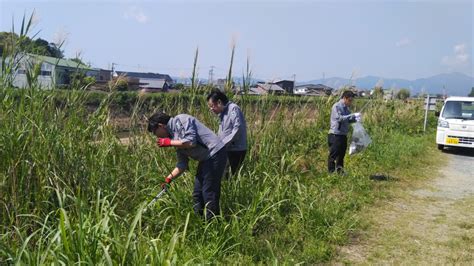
[(340, 171)]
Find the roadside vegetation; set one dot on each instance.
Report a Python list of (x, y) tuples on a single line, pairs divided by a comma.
[(72, 193)]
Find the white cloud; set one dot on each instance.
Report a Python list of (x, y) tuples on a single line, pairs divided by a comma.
[(459, 59), (460, 48), (136, 14), (403, 42)]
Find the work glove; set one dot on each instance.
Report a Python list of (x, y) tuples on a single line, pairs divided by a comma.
[(167, 183), (163, 142), (358, 117)]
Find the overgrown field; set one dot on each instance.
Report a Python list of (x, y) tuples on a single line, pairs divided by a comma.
[(71, 193)]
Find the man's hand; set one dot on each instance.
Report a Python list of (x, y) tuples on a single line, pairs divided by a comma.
[(163, 142), (167, 183), (358, 117)]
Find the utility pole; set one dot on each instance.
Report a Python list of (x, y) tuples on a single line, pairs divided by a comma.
[(113, 69), (427, 107), (294, 83), (211, 75)]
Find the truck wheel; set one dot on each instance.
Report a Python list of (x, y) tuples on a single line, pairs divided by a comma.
[(440, 147)]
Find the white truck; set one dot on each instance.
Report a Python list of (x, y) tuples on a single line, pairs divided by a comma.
[(456, 123)]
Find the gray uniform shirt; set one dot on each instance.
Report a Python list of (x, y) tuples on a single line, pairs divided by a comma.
[(187, 128), (232, 128), (340, 118)]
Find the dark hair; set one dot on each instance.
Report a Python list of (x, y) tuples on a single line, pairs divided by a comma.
[(157, 118), (216, 95), (348, 94)]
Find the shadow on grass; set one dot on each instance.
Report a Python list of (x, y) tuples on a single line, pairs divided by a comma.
[(382, 177)]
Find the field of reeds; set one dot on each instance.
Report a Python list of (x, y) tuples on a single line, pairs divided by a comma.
[(71, 193)]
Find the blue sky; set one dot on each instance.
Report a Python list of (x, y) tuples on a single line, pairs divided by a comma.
[(392, 39)]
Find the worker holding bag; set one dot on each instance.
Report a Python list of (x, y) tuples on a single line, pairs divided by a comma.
[(341, 117)]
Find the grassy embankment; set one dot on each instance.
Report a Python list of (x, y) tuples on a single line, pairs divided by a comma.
[(68, 198)]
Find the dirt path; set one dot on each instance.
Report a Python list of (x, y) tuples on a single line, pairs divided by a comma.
[(433, 224)]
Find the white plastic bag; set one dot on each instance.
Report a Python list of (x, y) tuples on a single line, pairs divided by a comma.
[(360, 139)]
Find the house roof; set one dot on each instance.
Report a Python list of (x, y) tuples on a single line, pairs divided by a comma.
[(60, 62), (148, 75), (315, 87), (257, 90), (458, 98), (282, 80), (312, 93), (271, 87)]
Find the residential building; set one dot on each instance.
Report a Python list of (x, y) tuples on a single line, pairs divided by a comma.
[(313, 90), (103, 75), (257, 91), (53, 71), (155, 86), (150, 81), (267, 88), (287, 85)]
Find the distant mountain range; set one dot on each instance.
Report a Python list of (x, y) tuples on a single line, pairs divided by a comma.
[(454, 84)]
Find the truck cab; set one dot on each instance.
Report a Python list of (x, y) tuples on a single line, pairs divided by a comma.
[(456, 123)]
